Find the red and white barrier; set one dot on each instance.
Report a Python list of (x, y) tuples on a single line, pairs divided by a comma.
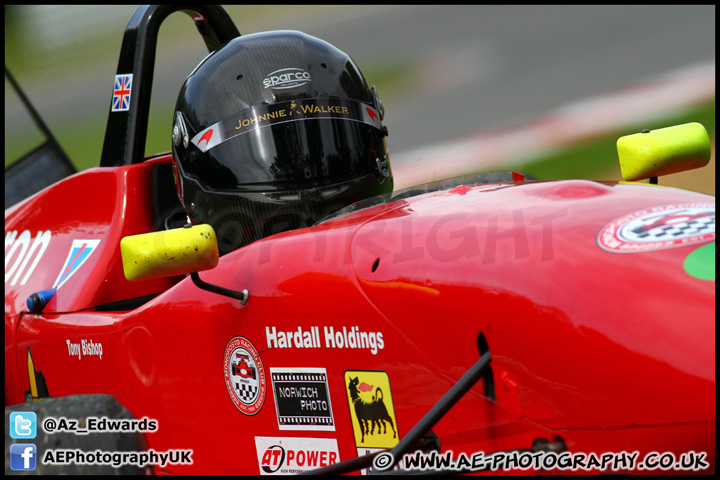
[(593, 117)]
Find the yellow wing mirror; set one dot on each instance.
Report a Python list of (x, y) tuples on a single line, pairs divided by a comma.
[(651, 154), (171, 252), (179, 251)]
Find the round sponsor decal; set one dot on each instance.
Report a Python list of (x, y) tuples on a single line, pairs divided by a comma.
[(244, 375), (660, 227)]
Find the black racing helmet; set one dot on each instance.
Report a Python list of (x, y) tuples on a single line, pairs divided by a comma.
[(274, 131)]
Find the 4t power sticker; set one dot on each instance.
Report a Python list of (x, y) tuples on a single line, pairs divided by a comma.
[(658, 228), (302, 399), (286, 456), (244, 375), (371, 409)]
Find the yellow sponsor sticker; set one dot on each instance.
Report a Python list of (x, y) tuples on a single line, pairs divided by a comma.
[(371, 408)]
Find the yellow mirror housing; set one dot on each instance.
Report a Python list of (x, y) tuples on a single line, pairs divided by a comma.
[(663, 151), (168, 253)]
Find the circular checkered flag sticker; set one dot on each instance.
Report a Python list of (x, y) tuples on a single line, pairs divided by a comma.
[(244, 375), (659, 227)]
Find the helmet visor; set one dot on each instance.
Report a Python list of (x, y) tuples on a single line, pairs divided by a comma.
[(305, 141)]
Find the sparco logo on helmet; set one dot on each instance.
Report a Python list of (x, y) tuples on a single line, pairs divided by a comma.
[(286, 78)]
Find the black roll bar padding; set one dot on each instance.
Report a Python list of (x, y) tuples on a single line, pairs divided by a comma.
[(126, 131)]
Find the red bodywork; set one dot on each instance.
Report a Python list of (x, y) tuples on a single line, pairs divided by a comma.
[(612, 352)]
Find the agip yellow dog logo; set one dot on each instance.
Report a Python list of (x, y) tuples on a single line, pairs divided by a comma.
[(371, 409)]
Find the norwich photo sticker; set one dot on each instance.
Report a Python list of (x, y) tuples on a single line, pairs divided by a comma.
[(302, 399), (371, 408)]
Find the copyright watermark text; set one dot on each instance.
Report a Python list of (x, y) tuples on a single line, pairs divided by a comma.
[(102, 424), (117, 459), (688, 461)]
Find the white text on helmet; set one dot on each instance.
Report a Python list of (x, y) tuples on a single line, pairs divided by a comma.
[(286, 78)]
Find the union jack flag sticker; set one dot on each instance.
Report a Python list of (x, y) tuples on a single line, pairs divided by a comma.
[(121, 93), (79, 252)]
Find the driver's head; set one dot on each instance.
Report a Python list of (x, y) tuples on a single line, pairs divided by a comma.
[(274, 131)]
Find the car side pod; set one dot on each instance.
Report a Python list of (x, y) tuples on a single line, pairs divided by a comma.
[(180, 251), (651, 154)]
